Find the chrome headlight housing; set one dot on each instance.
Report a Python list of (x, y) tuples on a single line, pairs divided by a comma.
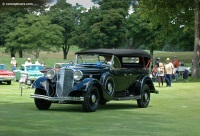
[(50, 74), (78, 75)]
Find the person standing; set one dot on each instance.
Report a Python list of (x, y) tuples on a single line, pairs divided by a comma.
[(176, 65), (169, 70), (37, 62), (13, 63), (154, 73), (28, 61), (43, 63), (157, 61), (160, 74)]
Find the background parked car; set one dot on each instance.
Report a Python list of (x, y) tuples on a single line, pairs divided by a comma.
[(57, 66), (32, 71), (182, 68), (5, 74)]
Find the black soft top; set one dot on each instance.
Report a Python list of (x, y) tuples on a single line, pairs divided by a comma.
[(117, 52)]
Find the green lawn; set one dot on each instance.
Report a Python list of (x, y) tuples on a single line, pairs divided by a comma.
[(173, 112)]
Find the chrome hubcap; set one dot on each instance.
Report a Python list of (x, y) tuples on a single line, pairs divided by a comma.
[(146, 96), (110, 88), (93, 98)]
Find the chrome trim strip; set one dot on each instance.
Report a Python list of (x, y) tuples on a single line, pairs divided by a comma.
[(5, 78), (53, 99), (131, 97)]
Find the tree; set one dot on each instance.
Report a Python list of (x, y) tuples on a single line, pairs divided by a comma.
[(141, 33), (104, 26), (63, 14), (35, 33), (8, 21), (179, 13)]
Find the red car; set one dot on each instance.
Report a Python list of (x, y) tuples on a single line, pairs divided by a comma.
[(5, 75)]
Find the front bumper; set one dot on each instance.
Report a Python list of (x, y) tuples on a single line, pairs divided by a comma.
[(56, 99), (7, 78)]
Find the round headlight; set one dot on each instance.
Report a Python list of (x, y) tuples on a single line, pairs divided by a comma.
[(50, 74), (78, 75)]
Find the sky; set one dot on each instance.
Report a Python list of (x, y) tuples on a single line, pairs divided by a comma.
[(84, 3)]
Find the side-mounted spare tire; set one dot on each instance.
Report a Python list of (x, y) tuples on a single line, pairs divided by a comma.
[(91, 100), (145, 97), (41, 104)]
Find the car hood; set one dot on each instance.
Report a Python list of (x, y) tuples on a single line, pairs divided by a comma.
[(32, 72)]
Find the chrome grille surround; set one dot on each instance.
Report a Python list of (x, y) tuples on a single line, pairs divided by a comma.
[(64, 82)]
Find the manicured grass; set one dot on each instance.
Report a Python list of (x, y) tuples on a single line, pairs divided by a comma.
[(185, 57), (172, 112)]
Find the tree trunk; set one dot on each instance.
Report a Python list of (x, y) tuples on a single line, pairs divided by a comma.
[(12, 54), (128, 43), (152, 63), (37, 53), (20, 54), (65, 51), (195, 72)]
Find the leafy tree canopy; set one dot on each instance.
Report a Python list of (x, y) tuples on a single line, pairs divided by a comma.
[(35, 33), (105, 26)]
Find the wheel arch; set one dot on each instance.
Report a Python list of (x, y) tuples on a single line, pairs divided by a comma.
[(147, 80), (88, 83), (140, 83), (37, 82), (100, 89)]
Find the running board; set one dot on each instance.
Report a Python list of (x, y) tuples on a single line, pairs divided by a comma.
[(131, 97)]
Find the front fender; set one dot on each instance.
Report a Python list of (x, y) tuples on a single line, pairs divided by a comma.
[(86, 84), (37, 82)]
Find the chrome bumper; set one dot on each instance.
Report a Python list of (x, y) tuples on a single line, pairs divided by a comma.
[(54, 99), (6, 78)]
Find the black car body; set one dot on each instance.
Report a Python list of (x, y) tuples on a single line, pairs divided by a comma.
[(93, 80)]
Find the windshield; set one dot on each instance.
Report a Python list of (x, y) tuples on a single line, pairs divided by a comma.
[(3, 67), (34, 68), (89, 59)]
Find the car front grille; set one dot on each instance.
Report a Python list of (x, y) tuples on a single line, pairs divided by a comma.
[(64, 82)]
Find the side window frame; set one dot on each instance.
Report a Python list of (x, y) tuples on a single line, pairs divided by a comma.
[(116, 64)]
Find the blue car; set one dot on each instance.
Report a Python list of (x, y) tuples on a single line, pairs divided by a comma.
[(33, 71)]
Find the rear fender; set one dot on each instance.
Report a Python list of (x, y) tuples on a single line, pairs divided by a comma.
[(38, 82), (141, 81)]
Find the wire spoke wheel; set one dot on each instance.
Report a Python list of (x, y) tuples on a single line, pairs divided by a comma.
[(91, 100), (145, 97)]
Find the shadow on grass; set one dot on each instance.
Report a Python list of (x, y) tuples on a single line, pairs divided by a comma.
[(30, 107), (4, 83), (108, 106)]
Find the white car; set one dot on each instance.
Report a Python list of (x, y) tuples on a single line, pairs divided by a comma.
[(182, 68)]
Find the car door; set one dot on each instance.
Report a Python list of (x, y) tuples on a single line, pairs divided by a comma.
[(133, 67), (119, 75)]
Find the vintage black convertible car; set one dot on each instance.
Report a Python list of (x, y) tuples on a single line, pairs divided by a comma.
[(97, 77)]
